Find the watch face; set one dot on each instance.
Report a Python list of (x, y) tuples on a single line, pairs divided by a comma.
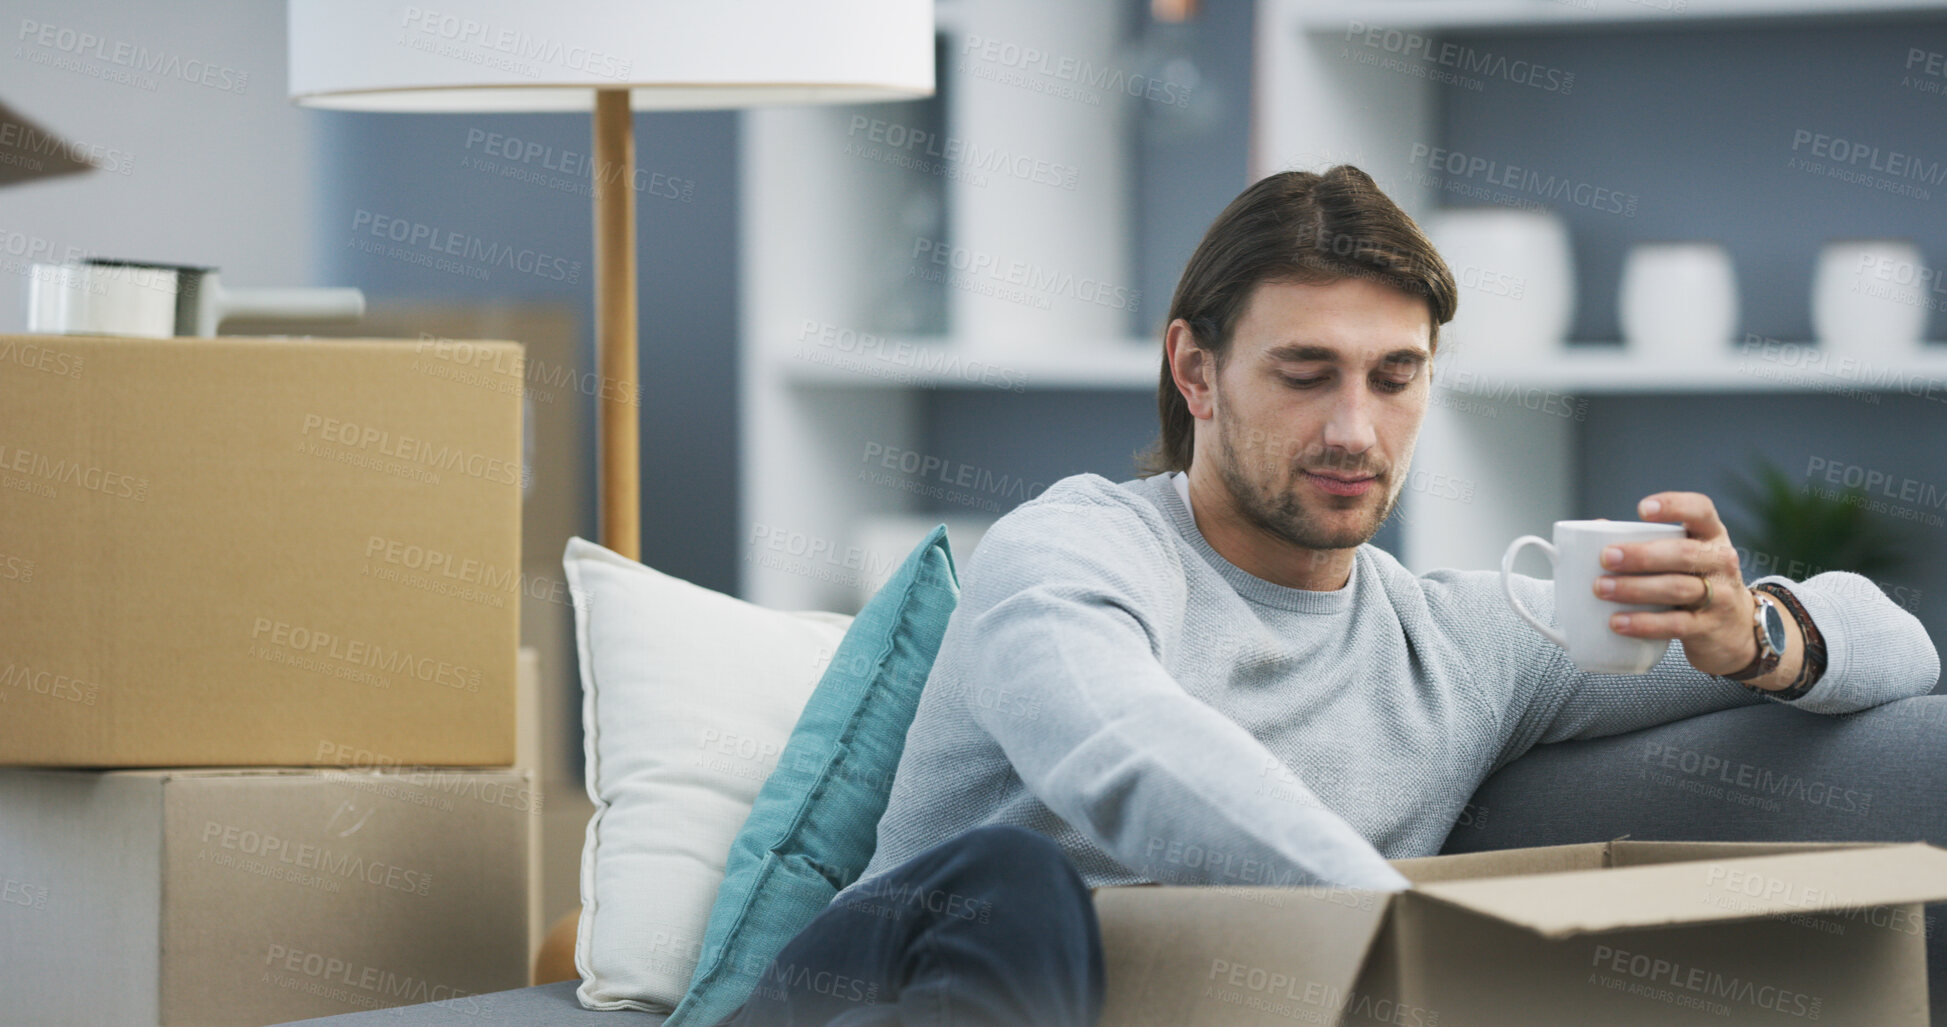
[(1774, 625)]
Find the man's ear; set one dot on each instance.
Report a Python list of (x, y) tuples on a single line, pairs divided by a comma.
[(1193, 367)]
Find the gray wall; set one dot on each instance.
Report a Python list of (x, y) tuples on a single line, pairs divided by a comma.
[(1180, 183), (410, 166), (1700, 125), (216, 174), (1700, 443)]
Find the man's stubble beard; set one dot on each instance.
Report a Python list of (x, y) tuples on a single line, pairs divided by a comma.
[(1274, 508)]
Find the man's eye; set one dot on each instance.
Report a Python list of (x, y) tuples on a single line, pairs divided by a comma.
[(1301, 383), (1388, 385)]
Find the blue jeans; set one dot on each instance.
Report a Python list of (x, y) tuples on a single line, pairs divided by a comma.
[(993, 928)]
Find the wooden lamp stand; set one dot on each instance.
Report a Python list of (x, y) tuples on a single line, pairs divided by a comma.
[(618, 486)]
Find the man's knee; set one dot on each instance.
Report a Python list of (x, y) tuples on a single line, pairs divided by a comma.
[(1003, 843), (1002, 860)]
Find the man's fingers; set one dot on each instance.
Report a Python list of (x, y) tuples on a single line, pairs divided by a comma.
[(1694, 510), (1672, 589), (1672, 624), (1664, 556)]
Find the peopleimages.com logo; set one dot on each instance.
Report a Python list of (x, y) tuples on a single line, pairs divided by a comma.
[(274, 637), (306, 863), (1524, 182), (118, 60), (58, 470), (473, 252), (419, 455)]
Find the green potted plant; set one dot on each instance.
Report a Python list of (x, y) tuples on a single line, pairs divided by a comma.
[(1797, 531)]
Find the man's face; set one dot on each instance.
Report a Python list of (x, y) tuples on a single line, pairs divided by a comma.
[(1318, 406)]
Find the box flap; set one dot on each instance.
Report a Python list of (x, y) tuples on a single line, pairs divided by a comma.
[(1503, 862), (1704, 891), (1228, 957), (1624, 852)]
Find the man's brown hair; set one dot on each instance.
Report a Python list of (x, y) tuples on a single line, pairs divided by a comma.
[(1294, 226)]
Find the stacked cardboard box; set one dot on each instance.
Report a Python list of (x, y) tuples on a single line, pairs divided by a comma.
[(250, 561)]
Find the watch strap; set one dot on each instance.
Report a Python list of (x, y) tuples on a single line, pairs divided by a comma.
[(1767, 658), (1813, 666)]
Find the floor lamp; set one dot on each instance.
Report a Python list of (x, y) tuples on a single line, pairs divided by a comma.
[(614, 56)]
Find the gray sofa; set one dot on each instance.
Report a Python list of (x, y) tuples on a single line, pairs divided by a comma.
[(1755, 773)]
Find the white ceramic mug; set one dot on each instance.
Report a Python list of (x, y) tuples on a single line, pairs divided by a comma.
[(1583, 616)]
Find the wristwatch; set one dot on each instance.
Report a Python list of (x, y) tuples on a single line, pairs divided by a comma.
[(1768, 624), (1813, 665)]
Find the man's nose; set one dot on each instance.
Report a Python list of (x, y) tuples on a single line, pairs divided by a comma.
[(1349, 427)]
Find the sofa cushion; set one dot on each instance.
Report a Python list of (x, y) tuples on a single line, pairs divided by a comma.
[(548, 1005), (814, 825), (688, 698)]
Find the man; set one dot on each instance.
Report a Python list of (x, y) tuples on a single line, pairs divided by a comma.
[(1207, 676)]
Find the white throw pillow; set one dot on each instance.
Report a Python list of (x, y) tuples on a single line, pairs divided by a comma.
[(688, 696)]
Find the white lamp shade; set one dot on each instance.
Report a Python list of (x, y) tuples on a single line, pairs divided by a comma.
[(520, 55)]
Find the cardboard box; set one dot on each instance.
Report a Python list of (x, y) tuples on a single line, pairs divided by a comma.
[(1619, 932), (258, 551), (245, 897)]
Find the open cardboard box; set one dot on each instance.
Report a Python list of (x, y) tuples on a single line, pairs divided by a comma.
[(1619, 932)]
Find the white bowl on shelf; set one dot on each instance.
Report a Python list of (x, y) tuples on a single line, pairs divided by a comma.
[(1869, 298), (1677, 301), (1516, 278)]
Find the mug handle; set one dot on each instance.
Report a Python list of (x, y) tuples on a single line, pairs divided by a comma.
[(1507, 584)]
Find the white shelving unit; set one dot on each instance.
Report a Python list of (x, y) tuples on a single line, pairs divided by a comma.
[(1454, 15), (818, 224), (936, 362), (1314, 107), (1584, 369), (1594, 370), (812, 220)]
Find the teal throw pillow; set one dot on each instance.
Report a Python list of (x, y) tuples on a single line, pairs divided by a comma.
[(815, 824)]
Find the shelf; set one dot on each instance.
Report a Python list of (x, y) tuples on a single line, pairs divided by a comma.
[(932, 362), (939, 362), (1786, 367), (1333, 16)]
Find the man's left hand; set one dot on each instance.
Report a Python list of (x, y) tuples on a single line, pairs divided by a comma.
[(1716, 639)]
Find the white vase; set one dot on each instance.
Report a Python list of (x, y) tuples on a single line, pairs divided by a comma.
[(1868, 298), (1677, 300), (1517, 281), (1039, 220)]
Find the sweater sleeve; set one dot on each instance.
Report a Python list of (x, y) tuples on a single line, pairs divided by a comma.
[(1073, 602), (1875, 652)]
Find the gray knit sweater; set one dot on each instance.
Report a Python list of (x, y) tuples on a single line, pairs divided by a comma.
[(1112, 682)]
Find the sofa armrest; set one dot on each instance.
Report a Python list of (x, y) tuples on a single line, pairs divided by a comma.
[(1766, 772)]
